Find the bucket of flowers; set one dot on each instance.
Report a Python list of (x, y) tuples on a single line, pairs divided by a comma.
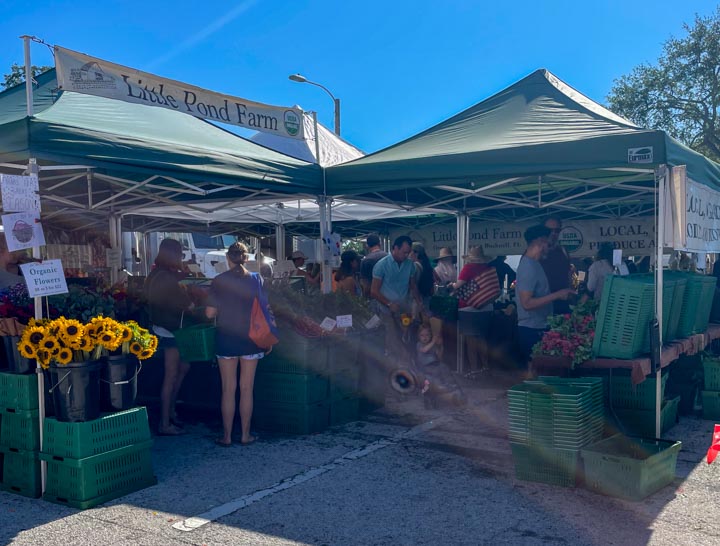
[(568, 342), (75, 355)]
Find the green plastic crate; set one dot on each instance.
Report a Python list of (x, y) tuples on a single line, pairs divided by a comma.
[(626, 308), (642, 422), (20, 472), (296, 354), (670, 290), (697, 302), (546, 465), (711, 369), (291, 418), (107, 475), (630, 468), (344, 411), (344, 351), (294, 388), (625, 395), (85, 439), (711, 405), (18, 392), (196, 343), (675, 310), (20, 429), (344, 383), (444, 307)]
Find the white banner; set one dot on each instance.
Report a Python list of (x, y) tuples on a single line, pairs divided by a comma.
[(84, 74), (701, 219), (581, 238)]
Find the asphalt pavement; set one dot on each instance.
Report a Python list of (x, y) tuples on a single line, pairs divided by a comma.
[(403, 475)]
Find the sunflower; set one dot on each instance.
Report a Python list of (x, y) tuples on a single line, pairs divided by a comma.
[(153, 345), (33, 334), (49, 344), (71, 330), (87, 343), (109, 340), (136, 348), (126, 334), (43, 358), (64, 356), (145, 354), (27, 349)]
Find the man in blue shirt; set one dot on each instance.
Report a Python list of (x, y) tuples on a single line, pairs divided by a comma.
[(393, 281), (534, 299)]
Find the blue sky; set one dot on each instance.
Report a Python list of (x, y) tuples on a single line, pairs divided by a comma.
[(398, 66)]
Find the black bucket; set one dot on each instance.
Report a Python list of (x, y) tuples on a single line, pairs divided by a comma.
[(75, 390), (11, 361), (118, 386)]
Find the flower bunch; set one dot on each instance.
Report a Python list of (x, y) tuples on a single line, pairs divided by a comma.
[(69, 340), (570, 335), (15, 302)]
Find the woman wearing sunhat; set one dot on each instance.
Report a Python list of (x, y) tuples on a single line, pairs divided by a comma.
[(445, 270), (474, 323)]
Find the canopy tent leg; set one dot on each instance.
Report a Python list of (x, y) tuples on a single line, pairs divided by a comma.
[(661, 174), (279, 242), (325, 231), (463, 231)]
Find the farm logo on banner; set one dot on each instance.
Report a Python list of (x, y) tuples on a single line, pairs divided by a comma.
[(84, 74)]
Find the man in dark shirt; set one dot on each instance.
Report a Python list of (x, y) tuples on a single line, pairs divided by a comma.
[(368, 262), (557, 265), (504, 271)]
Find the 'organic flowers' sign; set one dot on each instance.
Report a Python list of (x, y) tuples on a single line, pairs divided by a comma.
[(44, 278)]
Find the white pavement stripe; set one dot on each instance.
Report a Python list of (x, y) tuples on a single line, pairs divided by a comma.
[(190, 524)]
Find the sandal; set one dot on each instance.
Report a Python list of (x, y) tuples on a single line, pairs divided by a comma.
[(219, 442)]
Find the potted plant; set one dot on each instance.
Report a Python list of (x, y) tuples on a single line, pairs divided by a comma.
[(568, 342), (16, 309)]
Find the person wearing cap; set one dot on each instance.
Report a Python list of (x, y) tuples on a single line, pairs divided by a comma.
[(474, 323), (445, 270), (374, 254), (230, 303), (298, 259), (534, 296), (556, 264)]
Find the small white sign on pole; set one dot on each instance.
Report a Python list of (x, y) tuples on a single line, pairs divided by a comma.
[(617, 257), (45, 278), (23, 230), (328, 324), (20, 193)]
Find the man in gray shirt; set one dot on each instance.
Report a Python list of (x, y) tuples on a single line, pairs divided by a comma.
[(534, 299)]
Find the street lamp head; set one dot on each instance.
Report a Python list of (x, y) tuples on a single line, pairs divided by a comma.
[(298, 78)]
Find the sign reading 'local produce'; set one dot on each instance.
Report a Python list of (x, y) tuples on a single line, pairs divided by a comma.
[(581, 238)]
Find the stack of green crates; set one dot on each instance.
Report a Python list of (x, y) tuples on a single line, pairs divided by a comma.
[(711, 394), (634, 405), (307, 387), (19, 435), (548, 425), (92, 462), (697, 302), (630, 468), (291, 387)]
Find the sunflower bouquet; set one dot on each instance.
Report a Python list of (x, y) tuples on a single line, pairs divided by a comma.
[(68, 340)]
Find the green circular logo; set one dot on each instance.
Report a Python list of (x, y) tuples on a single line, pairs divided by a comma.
[(292, 122), (570, 239)]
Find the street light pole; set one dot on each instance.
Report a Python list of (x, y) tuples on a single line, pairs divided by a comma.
[(302, 79)]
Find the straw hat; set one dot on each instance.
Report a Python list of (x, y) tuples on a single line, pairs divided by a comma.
[(297, 255), (476, 256), (445, 252)]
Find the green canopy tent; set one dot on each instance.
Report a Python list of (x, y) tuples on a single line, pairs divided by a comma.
[(97, 155), (538, 146)]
